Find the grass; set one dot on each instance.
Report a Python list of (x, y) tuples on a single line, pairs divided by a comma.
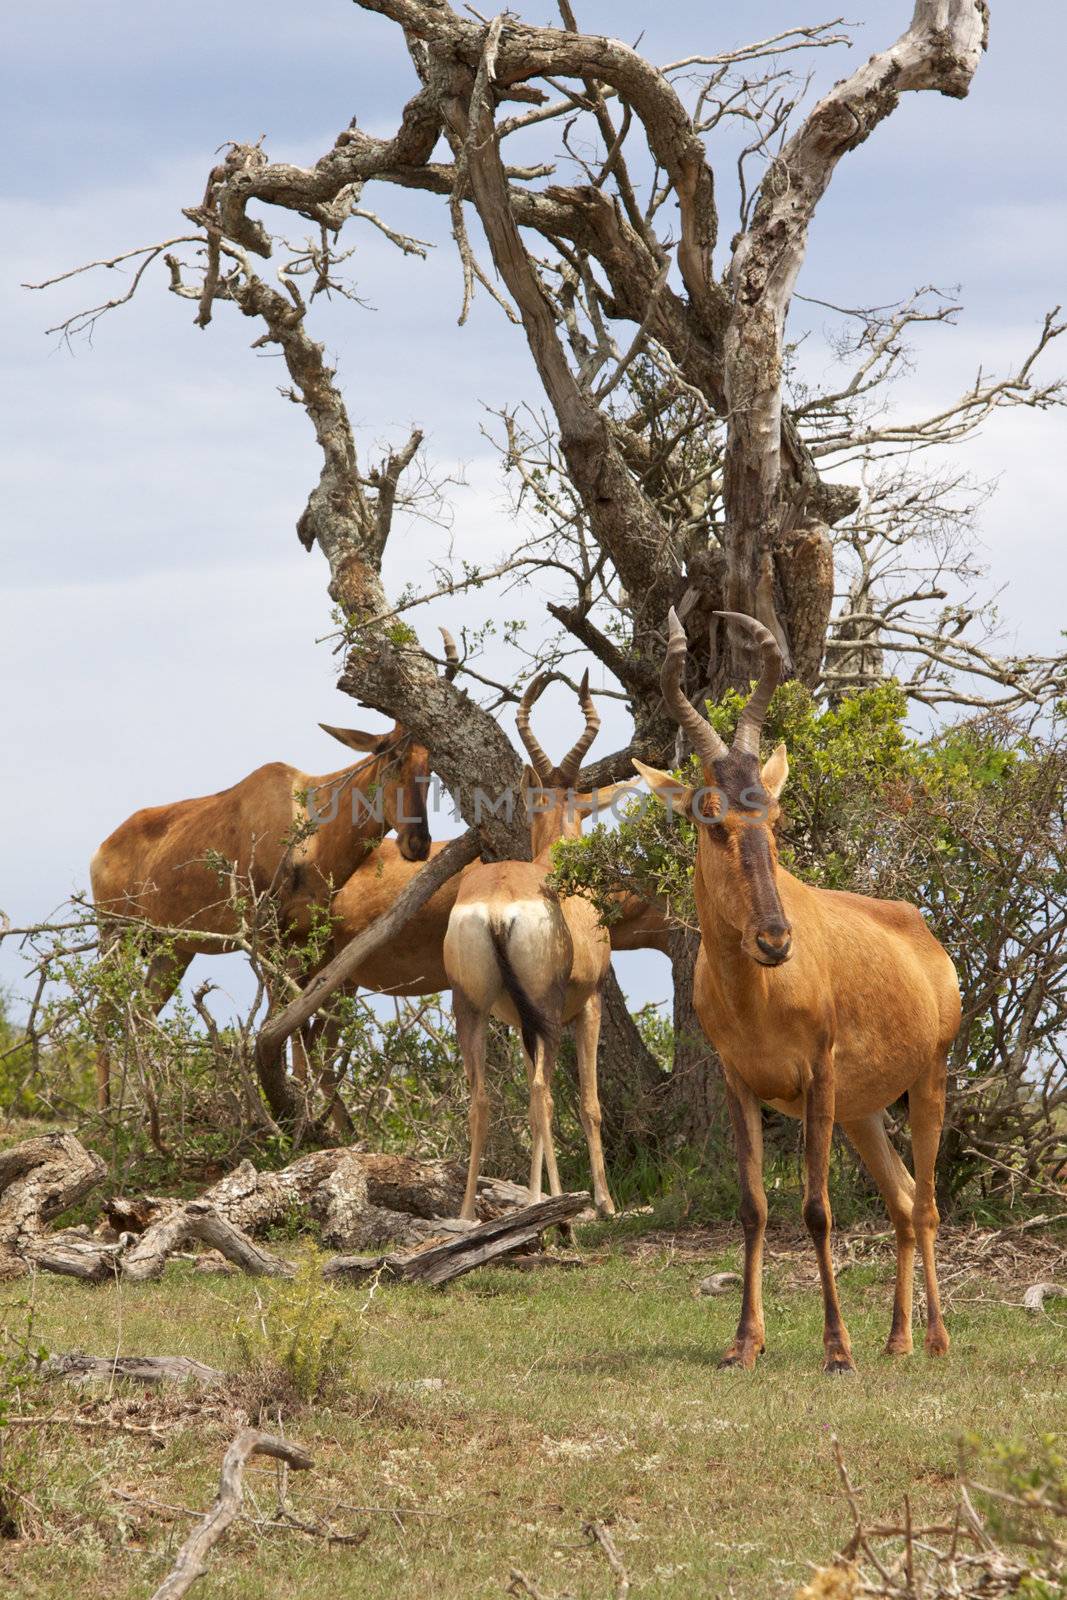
[(555, 1398)]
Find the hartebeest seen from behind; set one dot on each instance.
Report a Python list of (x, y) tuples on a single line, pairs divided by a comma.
[(828, 1006), (156, 865), (413, 962), (515, 950)]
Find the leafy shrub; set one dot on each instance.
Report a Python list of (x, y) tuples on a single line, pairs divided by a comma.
[(301, 1345)]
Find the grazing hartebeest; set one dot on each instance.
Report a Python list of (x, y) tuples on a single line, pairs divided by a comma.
[(516, 951), (829, 1006), (154, 866)]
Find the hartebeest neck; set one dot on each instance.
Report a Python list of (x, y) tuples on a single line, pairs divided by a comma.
[(348, 808), (554, 815)]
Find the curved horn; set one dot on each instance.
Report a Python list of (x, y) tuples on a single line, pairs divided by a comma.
[(451, 655), (750, 723), (568, 767), (542, 765), (704, 739)]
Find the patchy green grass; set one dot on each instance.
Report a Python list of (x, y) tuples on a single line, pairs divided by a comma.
[(554, 1398)]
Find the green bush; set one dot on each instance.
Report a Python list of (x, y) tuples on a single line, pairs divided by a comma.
[(301, 1344)]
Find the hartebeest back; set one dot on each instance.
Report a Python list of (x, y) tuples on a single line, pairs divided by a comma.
[(516, 951), (156, 867), (828, 1006)]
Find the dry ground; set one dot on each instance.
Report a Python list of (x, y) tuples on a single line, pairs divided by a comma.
[(492, 1420)]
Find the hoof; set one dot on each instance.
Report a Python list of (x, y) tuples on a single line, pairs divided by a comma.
[(605, 1208), (839, 1365), (936, 1344), (896, 1346), (741, 1357)]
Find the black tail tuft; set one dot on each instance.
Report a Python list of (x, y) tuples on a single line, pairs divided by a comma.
[(533, 1023)]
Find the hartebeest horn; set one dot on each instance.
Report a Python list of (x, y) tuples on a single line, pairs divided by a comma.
[(705, 741), (451, 655), (567, 770), (750, 722), (542, 765)]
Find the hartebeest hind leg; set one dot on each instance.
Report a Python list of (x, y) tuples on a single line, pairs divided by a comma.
[(471, 1028), (897, 1188), (539, 1072), (587, 1039), (818, 1137), (926, 1112), (747, 1122)]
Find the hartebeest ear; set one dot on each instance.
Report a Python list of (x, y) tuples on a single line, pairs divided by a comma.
[(775, 772), (603, 799), (667, 789), (352, 737)]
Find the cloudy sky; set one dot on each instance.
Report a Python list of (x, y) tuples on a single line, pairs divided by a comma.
[(159, 622)]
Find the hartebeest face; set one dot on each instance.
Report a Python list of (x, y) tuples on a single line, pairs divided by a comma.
[(397, 773), (735, 814), (736, 809)]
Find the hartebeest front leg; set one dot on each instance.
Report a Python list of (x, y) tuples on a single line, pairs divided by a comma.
[(818, 1136), (587, 1039), (746, 1119)]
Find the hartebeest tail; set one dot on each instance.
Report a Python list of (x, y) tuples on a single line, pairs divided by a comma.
[(537, 1025), (828, 1006)]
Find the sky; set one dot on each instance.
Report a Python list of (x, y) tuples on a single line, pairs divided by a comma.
[(158, 618)]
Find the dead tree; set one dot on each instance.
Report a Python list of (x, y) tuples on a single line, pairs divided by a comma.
[(678, 461)]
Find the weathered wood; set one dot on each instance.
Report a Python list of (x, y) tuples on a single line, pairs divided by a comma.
[(148, 1370), (1035, 1297), (440, 1263), (719, 1283), (39, 1179), (147, 1258), (352, 1198), (75, 1255), (191, 1561), (204, 1223)]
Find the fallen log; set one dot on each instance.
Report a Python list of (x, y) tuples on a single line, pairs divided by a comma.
[(1035, 1297), (39, 1179), (490, 1241), (353, 1199), (199, 1220), (356, 1199), (148, 1370), (191, 1560), (75, 1255)]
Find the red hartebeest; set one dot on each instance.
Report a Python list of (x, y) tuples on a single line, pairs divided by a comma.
[(413, 962), (829, 1006), (154, 866), (516, 951)]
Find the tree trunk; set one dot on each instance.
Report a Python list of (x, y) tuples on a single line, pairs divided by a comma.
[(695, 1108), (631, 1082)]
